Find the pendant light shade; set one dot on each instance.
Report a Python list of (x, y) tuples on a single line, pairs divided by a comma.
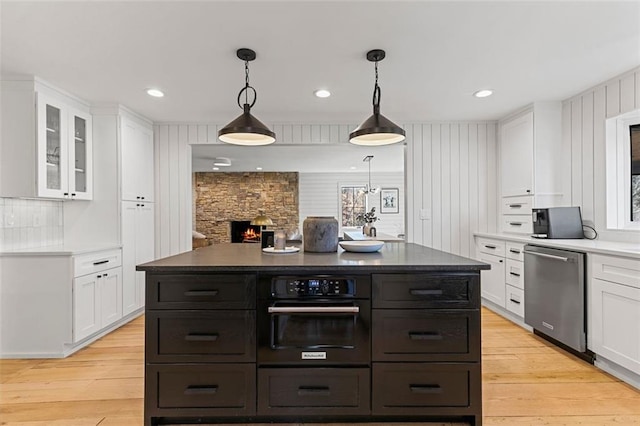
[(246, 129), (377, 130)]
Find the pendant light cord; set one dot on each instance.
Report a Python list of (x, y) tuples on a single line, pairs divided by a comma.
[(376, 94), (246, 88)]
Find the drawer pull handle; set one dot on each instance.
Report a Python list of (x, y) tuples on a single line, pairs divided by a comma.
[(201, 390), (425, 335), (515, 223), (515, 206), (201, 293), (517, 302), (514, 251), (101, 262), (490, 247), (313, 390), (425, 388), (514, 274), (418, 292), (201, 337)]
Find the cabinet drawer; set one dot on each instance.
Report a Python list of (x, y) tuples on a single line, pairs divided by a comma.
[(517, 205), (406, 388), (198, 336), (338, 391), (402, 335), (215, 291), (517, 224), (425, 290), (229, 389), (95, 262), (515, 251), (489, 246), (616, 269), (514, 274), (514, 300)]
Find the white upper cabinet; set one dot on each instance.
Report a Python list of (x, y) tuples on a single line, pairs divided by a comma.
[(517, 156), (137, 161), (46, 143)]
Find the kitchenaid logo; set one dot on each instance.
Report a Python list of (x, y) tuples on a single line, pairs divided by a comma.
[(314, 355)]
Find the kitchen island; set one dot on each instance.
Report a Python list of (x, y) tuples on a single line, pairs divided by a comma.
[(237, 335)]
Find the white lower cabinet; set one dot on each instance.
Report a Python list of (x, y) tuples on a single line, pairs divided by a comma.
[(492, 281), (137, 247), (97, 302), (514, 300)]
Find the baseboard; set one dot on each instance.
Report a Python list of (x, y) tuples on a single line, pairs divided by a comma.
[(618, 371), (506, 314)]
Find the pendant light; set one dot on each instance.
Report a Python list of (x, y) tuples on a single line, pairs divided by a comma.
[(246, 129), (368, 188), (377, 129)]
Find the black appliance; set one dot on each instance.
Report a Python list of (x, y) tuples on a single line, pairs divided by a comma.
[(557, 222), (314, 321)]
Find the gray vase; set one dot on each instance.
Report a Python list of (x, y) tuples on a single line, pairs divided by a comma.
[(320, 234)]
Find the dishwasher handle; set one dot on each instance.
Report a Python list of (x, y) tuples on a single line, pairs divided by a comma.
[(548, 256)]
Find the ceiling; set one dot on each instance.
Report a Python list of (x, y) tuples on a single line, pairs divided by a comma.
[(438, 54)]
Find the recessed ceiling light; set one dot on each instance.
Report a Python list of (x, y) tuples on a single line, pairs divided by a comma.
[(216, 168), (258, 168), (156, 93), (322, 93), (221, 161), (483, 93), (353, 167)]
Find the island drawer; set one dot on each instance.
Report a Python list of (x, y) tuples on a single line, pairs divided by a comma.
[(410, 335), (204, 291), (201, 336), (223, 389), (285, 391), (428, 290), (406, 389)]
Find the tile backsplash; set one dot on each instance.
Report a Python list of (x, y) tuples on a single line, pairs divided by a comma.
[(30, 223)]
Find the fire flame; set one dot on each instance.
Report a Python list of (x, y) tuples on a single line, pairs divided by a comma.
[(250, 234)]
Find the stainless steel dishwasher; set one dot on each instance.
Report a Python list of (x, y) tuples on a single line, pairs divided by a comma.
[(554, 294)]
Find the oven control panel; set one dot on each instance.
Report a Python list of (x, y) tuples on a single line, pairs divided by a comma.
[(314, 286)]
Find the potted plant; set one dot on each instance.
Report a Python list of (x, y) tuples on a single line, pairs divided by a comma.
[(368, 218)]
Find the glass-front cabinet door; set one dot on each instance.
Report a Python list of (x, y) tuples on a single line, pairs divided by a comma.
[(64, 150), (80, 155)]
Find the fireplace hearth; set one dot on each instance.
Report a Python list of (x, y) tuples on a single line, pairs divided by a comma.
[(243, 232)]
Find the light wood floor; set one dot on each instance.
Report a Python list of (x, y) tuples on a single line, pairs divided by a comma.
[(526, 381)]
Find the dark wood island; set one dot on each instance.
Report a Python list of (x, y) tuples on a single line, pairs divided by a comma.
[(236, 335)]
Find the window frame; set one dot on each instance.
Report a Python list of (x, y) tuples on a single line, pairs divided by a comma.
[(342, 185), (618, 171)]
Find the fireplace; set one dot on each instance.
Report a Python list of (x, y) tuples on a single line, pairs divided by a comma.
[(243, 232)]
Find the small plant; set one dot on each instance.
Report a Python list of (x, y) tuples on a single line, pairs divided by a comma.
[(368, 217)]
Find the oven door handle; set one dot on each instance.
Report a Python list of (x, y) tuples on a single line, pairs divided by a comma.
[(314, 309)]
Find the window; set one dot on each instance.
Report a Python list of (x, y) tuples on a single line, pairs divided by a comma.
[(352, 204), (634, 139), (623, 171)]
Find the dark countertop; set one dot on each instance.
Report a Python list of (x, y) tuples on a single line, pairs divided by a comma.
[(396, 257)]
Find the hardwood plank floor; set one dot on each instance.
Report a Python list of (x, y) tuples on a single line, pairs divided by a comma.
[(526, 381)]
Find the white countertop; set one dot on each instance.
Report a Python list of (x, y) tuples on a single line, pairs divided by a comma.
[(588, 246), (380, 236), (60, 250)]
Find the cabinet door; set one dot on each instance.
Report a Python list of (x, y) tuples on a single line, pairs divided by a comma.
[(137, 162), (492, 284), (53, 154), (110, 296), (80, 155), (129, 289), (145, 245), (516, 146), (615, 323), (86, 309)]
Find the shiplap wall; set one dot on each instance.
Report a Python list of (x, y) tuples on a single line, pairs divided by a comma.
[(583, 138), (450, 170), (319, 196), (451, 177)]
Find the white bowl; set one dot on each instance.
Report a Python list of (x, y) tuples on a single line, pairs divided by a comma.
[(365, 246)]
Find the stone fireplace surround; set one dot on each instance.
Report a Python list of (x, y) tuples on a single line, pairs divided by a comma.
[(221, 197)]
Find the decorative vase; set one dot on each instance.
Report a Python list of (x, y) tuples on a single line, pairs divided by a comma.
[(366, 229), (320, 234)]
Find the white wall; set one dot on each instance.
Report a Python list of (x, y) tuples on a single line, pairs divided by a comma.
[(583, 139), (451, 178), (319, 196)]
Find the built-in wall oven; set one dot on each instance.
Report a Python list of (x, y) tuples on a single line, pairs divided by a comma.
[(314, 320)]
